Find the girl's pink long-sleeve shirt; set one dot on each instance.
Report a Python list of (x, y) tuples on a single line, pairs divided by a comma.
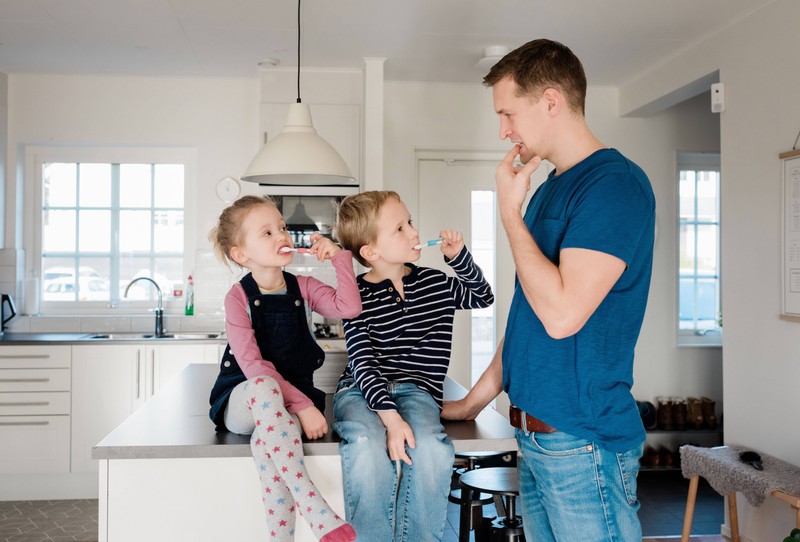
[(344, 301)]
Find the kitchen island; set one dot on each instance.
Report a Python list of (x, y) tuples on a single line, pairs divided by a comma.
[(166, 474)]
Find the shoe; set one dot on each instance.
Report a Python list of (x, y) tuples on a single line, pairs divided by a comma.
[(664, 413), (679, 413), (695, 418), (709, 418), (647, 411), (650, 458), (665, 457)]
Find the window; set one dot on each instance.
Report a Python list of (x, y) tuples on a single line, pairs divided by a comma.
[(483, 252), (699, 275), (102, 224)]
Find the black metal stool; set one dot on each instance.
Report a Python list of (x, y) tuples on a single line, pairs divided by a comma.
[(501, 482), (471, 508)]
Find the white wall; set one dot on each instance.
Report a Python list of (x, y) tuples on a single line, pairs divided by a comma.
[(217, 117), (449, 116), (757, 62), (3, 144)]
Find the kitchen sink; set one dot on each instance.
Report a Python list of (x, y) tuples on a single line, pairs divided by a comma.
[(151, 336), (190, 335), (121, 336)]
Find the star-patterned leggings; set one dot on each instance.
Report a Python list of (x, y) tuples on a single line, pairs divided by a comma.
[(256, 407)]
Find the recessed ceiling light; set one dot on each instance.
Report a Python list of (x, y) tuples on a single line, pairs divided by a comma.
[(491, 54)]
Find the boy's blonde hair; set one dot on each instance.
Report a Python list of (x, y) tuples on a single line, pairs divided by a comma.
[(356, 217), (228, 231)]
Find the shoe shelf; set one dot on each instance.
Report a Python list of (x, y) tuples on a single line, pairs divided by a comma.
[(717, 430)]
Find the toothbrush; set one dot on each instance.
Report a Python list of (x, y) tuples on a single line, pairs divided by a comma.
[(286, 250), (431, 243)]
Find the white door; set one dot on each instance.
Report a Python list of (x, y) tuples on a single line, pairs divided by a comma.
[(459, 194)]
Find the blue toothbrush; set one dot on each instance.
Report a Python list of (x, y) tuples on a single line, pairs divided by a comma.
[(431, 243)]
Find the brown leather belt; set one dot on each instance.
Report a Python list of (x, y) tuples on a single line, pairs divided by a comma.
[(530, 424)]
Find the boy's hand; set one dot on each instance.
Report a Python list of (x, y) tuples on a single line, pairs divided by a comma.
[(452, 243), (323, 248), (398, 432), (313, 422)]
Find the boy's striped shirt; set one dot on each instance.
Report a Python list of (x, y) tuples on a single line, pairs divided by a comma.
[(408, 340)]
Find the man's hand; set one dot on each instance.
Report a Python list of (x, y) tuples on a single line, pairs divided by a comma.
[(313, 422), (514, 182), (398, 433), (459, 410)]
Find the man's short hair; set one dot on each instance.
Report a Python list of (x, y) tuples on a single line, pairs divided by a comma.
[(356, 217), (541, 64)]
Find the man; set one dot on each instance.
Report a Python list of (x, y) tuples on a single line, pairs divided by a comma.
[(583, 253)]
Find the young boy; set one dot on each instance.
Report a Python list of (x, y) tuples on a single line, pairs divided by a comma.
[(396, 458)]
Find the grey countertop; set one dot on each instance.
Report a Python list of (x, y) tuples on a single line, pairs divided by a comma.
[(8, 338), (175, 424)]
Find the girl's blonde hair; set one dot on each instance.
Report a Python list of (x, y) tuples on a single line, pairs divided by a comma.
[(228, 231), (356, 217)]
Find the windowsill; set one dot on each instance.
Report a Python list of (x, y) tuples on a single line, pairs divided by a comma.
[(688, 339)]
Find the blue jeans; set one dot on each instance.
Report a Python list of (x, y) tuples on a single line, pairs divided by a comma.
[(571, 489), (384, 502)]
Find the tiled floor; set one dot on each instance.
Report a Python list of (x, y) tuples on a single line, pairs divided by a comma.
[(48, 521), (662, 494)]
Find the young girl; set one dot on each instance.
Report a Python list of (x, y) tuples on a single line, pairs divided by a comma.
[(265, 382)]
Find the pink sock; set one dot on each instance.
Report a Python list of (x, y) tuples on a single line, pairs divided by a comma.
[(343, 533)]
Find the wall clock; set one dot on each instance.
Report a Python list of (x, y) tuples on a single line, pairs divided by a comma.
[(228, 189)]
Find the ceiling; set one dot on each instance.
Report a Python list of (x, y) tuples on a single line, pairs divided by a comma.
[(422, 40)]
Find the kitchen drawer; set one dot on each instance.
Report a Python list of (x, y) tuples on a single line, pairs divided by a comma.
[(34, 403), (22, 380), (34, 444), (35, 357)]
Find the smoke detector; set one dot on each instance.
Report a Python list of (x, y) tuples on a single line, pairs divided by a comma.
[(491, 55)]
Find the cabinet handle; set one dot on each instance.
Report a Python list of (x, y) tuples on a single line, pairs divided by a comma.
[(25, 356), (26, 403), (138, 373), (7, 424), (27, 380), (152, 372)]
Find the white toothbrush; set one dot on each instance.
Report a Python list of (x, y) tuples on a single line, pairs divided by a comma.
[(298, 250)]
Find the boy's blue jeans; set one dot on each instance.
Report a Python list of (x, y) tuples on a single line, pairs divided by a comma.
[(571, 489), (379, 504)]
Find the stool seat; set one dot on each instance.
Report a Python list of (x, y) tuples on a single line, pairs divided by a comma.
[(494, 480), (472, 502), (503, 483)]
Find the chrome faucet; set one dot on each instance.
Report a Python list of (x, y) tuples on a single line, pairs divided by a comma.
[(159, 310)]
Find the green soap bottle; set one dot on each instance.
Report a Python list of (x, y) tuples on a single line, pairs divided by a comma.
[(189, 310)]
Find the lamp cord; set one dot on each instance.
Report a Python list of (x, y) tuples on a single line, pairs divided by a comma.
[(298, 51)]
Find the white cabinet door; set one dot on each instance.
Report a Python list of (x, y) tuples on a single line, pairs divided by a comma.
[(107, 386), (170, 359), (110, 381), (34, 444)]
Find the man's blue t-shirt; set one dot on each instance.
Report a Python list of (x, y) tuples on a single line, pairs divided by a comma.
[(582, 384)]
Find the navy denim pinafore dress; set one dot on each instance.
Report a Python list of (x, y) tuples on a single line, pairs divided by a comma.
[(283, 336)]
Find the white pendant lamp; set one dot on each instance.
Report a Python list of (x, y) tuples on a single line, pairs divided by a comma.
[(298, 156)]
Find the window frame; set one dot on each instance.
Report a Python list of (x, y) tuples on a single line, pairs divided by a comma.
[(696, 161), (37, 156)]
